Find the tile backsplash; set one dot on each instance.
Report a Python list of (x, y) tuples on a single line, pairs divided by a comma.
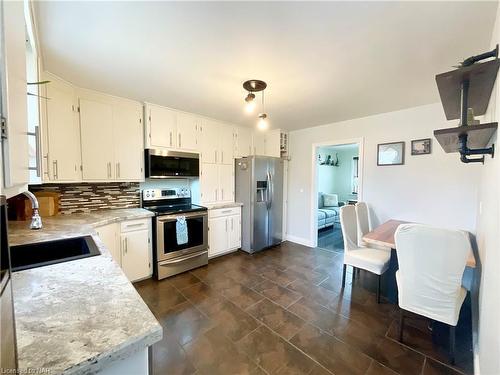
[(86, 197)]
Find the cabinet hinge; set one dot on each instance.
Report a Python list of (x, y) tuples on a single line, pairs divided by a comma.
[(3, 128)]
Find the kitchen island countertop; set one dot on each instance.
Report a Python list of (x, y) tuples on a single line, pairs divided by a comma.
[(81, 316)]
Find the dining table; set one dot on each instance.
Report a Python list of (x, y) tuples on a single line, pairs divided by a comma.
[(383, 235)]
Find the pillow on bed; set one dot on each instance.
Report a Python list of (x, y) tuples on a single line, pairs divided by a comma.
[(330, 200)]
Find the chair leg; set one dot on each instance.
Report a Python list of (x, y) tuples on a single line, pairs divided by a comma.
[(401, 324), (343, 275), (378, 288), (452, 345)]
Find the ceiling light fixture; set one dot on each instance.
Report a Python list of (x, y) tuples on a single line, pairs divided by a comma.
[(253, 86)]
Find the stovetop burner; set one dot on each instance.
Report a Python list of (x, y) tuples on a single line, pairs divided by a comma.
[(169, 201), (175, 209)]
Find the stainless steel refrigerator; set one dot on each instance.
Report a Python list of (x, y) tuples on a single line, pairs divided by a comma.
[(259, 186)]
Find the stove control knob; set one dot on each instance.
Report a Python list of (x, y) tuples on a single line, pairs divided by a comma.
[(153, 194)]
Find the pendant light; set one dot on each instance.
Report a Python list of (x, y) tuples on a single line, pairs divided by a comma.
[(252, 86)]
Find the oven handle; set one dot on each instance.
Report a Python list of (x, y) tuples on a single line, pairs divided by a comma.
[(165, 218), (178, 260)]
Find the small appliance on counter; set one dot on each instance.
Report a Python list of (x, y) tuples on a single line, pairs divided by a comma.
[(180, 231), (259, 186)]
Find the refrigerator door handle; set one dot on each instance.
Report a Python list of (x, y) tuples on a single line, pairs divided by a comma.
[(270, 189)]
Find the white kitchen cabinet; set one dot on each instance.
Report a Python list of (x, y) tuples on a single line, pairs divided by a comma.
[(62, 131), (259, 144), (127, 140), (135, 263), (129, 243), (209, 141), (242, 142), (187, 131), (209, 182), (217, 183), (96, 124), (226, 144), (226, 183), (234, 229), (15, 157), (217, 236), (224, 228), (109, 237), (161, 126)]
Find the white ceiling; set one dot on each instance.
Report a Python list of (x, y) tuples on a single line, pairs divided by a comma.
[(323, 61)]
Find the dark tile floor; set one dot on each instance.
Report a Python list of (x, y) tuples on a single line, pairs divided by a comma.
[(331, 238), (282, 311)]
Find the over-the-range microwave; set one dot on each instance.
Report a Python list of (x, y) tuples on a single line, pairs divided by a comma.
[(168, 164)]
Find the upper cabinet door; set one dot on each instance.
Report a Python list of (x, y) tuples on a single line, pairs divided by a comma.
[(259, 144), (226, 144), (96, 122), (209, 142), (63, 132), (162, 123), (127, 137), (272, 144), (209, 183), (187, 131), (226, 183), (243, 142), (14, 109)]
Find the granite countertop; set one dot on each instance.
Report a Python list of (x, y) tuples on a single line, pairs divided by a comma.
[(81, 316), (216, 206)]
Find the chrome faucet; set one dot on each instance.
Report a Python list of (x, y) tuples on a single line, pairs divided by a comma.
[(36, 220)]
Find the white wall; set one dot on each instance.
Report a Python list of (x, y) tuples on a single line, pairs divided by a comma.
[(488, 238), (437, 189)]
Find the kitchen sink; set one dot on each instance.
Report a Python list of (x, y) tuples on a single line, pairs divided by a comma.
[(41, 254)]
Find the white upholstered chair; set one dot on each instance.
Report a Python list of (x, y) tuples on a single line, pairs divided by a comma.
[(431, 266), (369, 259), (365, 225)]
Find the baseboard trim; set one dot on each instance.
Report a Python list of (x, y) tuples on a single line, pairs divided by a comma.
[(299, 240)]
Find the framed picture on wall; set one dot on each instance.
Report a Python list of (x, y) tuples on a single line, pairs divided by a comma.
[(391, 153), (421, 146)]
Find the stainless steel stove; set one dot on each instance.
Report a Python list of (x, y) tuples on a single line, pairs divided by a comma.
[(170, 257)]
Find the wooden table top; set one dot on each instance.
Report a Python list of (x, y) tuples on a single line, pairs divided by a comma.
[(383, 235)]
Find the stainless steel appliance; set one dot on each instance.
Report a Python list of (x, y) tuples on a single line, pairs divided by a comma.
[(8, 355), (170, 257), (166, 164), (259, 186)]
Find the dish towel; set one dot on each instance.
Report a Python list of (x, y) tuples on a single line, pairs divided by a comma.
[(181, 230)]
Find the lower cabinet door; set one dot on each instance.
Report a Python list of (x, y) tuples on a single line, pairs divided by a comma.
[(218, 236), (108, 236), (135, 254), (234, 223)]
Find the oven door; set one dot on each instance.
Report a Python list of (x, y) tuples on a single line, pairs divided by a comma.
[(166, 235)]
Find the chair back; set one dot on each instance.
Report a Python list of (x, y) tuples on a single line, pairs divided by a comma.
[(431, 265), (363, 217), (348, 223)]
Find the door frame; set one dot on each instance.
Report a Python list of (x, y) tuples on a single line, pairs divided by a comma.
[(314, 179)]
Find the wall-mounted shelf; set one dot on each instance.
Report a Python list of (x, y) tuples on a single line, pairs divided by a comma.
[(481, 78), (478, 136)]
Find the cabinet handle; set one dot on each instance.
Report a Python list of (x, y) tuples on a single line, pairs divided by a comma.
[(56, 174), (216, 194), (180, 143), (38, 152), (215, 156), (109, 170), (170, 138), (222, 157), (118, 172), (222, 194), (126, 245), (226, 225), (232, 225)]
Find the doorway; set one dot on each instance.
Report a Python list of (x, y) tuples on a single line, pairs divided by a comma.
[(337, 179)]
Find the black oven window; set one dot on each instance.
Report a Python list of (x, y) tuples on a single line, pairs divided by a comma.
[(195, 235)]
